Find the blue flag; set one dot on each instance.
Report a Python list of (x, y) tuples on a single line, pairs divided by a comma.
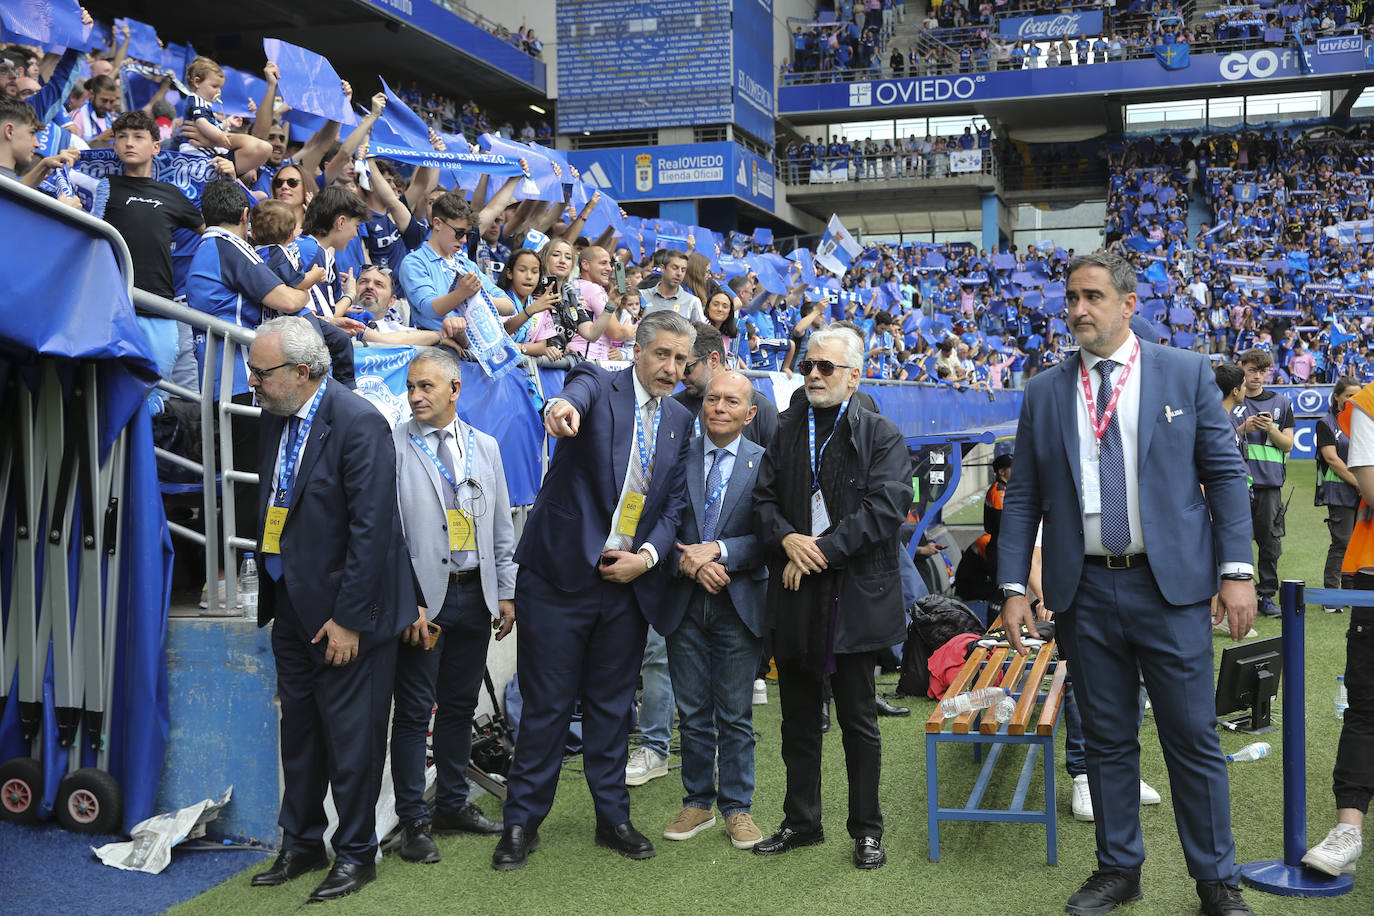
[(808, 269), (1304, 54), (1172, 56), (308, 81), (54, 24), (763, 237)]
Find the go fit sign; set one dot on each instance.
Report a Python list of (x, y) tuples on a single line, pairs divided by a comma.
[(906, 92), (1257, 64)]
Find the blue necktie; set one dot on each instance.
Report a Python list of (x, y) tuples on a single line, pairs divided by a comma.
[(1111, 471), (271, 562), (708, 530)]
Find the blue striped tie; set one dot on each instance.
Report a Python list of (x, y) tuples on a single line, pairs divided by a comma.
[(708, 530), (1111, 470)]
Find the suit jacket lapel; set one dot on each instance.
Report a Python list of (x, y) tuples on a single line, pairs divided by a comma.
[(622, 424), (1150, 403), (696, 484), (314, 445), (741, 478), (1066, 401), (413, 429)]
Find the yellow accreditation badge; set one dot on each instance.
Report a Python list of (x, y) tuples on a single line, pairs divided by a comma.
[(630, 511), (461, 533), (271, 529)]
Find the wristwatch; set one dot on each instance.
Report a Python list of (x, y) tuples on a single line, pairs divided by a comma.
[(1009, 592), (1239, 576)]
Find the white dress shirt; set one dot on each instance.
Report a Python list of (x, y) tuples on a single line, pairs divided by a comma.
[(1128, 419), (642, 397), (454, 443), (728, 454)]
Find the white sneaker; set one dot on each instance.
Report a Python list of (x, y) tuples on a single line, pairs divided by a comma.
[(645, 764), (1336, 854), (1148, 795), (760, 692), (1082, 799)]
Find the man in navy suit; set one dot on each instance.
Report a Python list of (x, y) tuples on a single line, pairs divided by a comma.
[(606, 514), (337, 580), (1138, 431), (714, 617)]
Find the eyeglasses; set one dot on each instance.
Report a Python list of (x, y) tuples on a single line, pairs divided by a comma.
[(824, 366), (687, 370), (289, 182), (262, 374)]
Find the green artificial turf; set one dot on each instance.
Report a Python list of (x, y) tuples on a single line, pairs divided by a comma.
[(983, 869)]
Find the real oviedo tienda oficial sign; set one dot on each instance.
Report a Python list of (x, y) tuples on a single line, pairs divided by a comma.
[(1042, 28)]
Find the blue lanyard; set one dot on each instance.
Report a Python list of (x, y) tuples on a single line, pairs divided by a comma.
[(696, 426), (811, 440), (443, 468), (719, 489), (287, 462), (646, 450)]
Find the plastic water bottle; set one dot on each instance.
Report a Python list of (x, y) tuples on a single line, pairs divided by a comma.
[(981, 698), (1342, 698), (248, 588), (1004, 708), (1250, 752)]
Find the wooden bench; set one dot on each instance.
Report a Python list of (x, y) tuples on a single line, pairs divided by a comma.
[(1037, 681)]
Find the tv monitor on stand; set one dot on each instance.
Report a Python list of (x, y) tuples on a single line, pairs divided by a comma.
[(1248, 682)]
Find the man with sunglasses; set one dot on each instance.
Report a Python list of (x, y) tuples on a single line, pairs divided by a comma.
[(427, 274), (455, 510), (832, 492)]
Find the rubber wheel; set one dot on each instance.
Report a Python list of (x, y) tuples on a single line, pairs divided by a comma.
[(89, 801), (21, 790)]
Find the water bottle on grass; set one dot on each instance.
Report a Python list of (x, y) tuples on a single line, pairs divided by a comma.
[(1250, 752)]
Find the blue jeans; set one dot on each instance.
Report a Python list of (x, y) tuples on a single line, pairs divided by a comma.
[(656, 701), (162, 336), (713, 657)]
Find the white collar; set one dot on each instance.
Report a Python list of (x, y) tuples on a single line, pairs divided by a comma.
[(1120, 356), (453, 428), (642, 395), (732, 447)]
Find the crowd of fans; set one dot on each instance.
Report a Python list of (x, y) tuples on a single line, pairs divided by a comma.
[(960, 37), (444, 113), (811, 162)]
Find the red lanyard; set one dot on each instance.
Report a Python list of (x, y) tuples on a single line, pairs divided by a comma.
[(1099, 424)]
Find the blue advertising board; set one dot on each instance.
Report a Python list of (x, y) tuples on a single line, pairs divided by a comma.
[(1041, 28), (1207, 70), (456, 32), (643, 64), (753, 47), (686, 171), (1340, 44)]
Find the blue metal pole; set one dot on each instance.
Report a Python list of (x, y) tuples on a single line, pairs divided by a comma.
[(1294, 724)]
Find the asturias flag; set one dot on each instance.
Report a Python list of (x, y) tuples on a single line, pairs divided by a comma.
[(1172, 56)]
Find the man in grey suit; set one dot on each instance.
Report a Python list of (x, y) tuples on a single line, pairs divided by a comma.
[(455, 510), (714, 617)]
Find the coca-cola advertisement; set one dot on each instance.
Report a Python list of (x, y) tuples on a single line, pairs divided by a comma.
[(1043, 28)]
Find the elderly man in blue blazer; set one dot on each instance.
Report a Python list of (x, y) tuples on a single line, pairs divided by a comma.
[(338, 584), (455, 508), (607, 514), (1127, 455), (714, 617)]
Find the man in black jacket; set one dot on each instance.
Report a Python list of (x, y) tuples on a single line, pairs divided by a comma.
[(829, 503)]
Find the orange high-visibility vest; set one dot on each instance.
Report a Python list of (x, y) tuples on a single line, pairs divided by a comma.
[(1359, 552)]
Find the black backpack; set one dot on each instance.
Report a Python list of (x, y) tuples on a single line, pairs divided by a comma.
[(935, 620)]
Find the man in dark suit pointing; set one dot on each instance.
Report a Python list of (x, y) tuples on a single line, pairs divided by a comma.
[(606, 514), (1127, 455), (337, 580)]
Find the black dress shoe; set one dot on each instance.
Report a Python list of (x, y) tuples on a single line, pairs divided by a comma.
[(290, 866), (1103, 892), (787, 839), (514, 848), (887, 709), (626, 840), (417, 845), (1221, 899), (344, 878), (869, 853), (467, 819)]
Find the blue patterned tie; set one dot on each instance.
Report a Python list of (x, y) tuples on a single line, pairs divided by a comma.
[(271, 562), (1111, 471), (708, 530)]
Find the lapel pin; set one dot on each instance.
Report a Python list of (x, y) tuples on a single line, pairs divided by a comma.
[(1170, 414), (751, 464), (672, 435)]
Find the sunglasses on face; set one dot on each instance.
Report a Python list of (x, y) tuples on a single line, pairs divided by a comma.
[(824, 366), (289, 182)]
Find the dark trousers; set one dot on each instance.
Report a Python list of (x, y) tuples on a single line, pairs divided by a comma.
[(1340, 521), (1119, 630), (451, 674), (1353, 777), (589, 645), (802, 693), (1267, 520), (333, 735)]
